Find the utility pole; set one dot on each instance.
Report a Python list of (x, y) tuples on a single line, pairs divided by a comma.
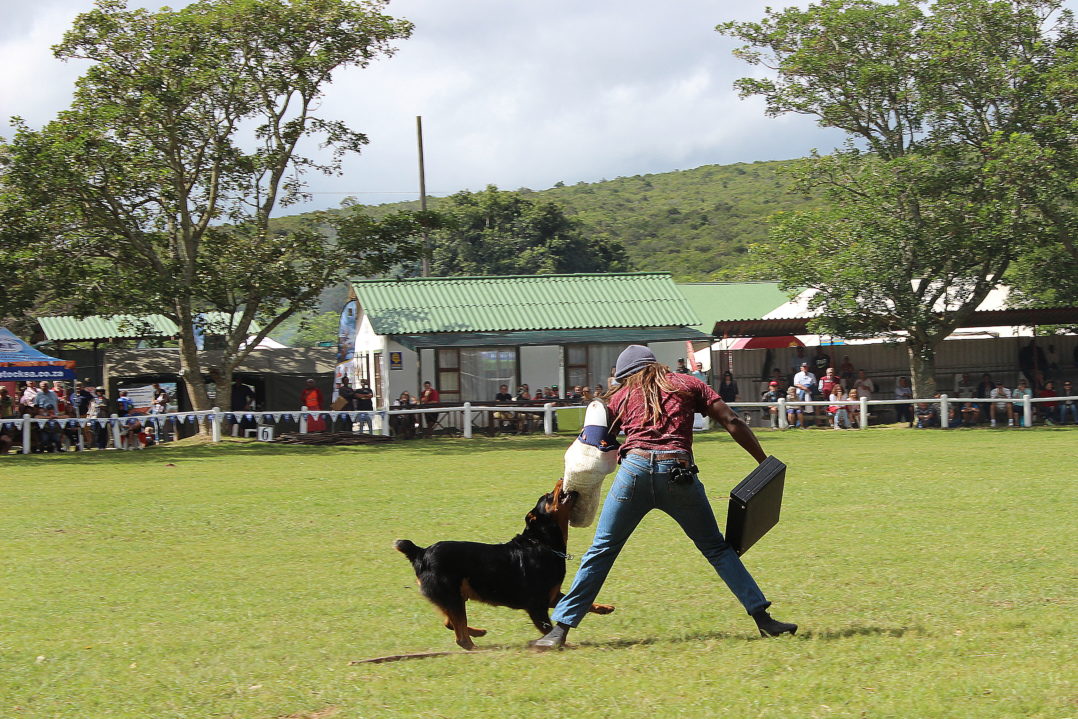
[(425, 267)]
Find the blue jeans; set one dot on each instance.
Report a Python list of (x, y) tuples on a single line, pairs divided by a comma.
[(643, 484), (1065, 411)]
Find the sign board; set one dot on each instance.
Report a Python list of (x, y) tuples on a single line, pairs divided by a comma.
[(396, 360), (265, 433)]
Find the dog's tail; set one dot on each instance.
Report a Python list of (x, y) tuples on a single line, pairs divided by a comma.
[(408, 549)]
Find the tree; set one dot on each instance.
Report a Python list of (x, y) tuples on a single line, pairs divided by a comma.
[(496, 232), (940, 103), (154, 191)]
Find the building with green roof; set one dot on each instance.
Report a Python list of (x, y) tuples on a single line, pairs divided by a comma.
[(470, 335)]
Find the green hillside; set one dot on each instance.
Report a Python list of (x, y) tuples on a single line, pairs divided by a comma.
[(696, 224)]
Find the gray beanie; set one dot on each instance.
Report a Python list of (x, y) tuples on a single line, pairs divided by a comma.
[(633, 359)]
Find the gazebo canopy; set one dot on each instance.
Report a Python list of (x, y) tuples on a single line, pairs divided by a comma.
[(20, 361)]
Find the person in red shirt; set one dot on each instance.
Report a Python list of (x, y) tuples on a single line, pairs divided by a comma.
[(310, 398), (429, 395), (654, 407)]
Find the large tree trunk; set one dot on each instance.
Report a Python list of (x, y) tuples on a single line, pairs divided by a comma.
[(922, 354)]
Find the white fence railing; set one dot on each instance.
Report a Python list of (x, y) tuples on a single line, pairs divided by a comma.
[(863, 405), (466, 413)]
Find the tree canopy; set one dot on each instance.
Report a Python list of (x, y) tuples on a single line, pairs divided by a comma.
[(929, 199), (154, 190)]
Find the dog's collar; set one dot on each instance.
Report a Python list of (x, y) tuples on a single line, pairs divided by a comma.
[(536, 542)]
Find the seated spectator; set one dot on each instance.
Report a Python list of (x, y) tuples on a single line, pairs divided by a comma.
[(47, 400), (1068, 407), (1047, 410), (839, 412), (575, 394), (586, 395), (793, 414), (599, 391), (523, 393), (1021, 392), (927, 415), (771, 395), (132, 433), (148, 436), (854, 409), (804, 383), (828, 382), (503, 420), (1000, 392), (971, 414), (984, 390), (964, 386), (778, 376), (403, 425)]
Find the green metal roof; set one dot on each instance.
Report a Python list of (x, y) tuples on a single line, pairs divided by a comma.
[(624, 335), (99, 327), (537, 302), (720, 301)]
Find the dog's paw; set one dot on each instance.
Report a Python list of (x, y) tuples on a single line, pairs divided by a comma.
[(602, 608)]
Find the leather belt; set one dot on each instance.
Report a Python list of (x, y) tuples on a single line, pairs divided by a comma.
[(666, 454)]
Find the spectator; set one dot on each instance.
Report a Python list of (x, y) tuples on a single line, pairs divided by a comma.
[(699, 373), (1032, 361), (681, 368), (963, 385), (363, 401), (403, 424), (504, 419), (773, 394), (99, 409), (310, 398), (864, 385), (28, 394), (599, 391), (555, 392), (9, 409), (49, 437), (160, 400), (797, 360), (586, 395), (854, 409), (903, 390), (728, 388), (132, 432), (999, 392), (346, 396), (242, 400), (124, 404), (523, 393), (805, 383), (575, 393), (81, 402), (148, 437), (828, 382), (611, 383), (1068, 407), (778, 376), (1021, 392), (47, 400), (846, 370), (1047, 410), (793, 413), (839, 411), (927, 414), (820, 362)]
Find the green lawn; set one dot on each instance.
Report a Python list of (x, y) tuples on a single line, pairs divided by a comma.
[(932, 573)]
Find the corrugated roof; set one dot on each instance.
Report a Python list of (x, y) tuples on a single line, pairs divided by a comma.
[(99, 327), (721, 301), (631, 335), (537, 302)]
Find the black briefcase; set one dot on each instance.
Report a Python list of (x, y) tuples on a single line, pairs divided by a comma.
[(754, 505)]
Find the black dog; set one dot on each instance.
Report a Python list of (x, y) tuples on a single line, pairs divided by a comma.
[(524, 573)]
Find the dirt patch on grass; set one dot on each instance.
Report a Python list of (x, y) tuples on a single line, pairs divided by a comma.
[(317, 714)]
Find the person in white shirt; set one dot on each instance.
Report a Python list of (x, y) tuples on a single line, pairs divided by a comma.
[(1001, 392), (805, 382), (1021, 391), (864, 385)]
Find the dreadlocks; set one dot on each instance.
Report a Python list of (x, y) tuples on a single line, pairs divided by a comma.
[(652, 382)]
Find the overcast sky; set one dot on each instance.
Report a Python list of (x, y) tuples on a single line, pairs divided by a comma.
[(512, 93)]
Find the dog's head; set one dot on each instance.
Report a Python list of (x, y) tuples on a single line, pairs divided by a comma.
[(552, 510)]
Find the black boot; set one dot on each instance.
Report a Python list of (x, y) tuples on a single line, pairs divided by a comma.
[(770, 627), (554, 639)]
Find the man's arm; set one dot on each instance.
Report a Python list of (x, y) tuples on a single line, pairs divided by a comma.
[(721, 413)]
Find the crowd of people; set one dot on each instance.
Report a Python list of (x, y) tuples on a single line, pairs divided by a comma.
[(846, 385), (54, 408)]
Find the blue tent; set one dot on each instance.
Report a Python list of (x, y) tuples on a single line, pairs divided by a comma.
[(20, 361)]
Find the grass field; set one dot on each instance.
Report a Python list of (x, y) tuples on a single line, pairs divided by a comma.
[(932, 573)]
